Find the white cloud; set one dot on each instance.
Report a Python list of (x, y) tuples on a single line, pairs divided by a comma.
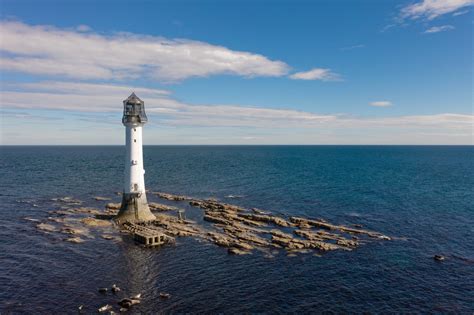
[(46, 50), (316, 74), (83, 28), (94, 100), (380, 103), (460, 13), (431, 9), (437, 29)]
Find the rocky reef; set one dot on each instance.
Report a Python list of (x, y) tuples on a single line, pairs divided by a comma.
[(240, 230)]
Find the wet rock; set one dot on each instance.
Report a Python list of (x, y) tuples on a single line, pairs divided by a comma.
[(243, 245), (107, 237), (160, 207), (98, 198), (439, 257), (96, 222), (103, 290), (105, 308), (280, 234), (237, 251), (68, 200), (46, 227), (113, 206), (216, 219), (265, 218), (171, 197), (56, 220), (85, 210), (164, 295), (128, 302), (347, 243), (76, 240), (115, 288), (258, 211)]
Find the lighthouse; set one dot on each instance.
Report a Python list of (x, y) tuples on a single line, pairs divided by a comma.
[(134, 206)]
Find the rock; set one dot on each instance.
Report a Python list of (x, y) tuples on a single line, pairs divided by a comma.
[(68, 200), (265, 218), (439, 257), (243, 245), (103, 290), (137, 296), (258, 211), (46, 227), (115, 288), (76, 240), (86, 210), (236, 251), (96, 222), (98, 198), (164, 295), (280, 234), (107, 237), (347, 243), (113, 206), (160, 207), (105, 308), (215, 219), (171, 197), (128, 302)]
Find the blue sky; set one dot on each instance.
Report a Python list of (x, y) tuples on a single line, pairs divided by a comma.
[(238, 72)]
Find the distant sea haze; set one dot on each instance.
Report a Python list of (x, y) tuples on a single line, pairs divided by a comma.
[(421, 196)]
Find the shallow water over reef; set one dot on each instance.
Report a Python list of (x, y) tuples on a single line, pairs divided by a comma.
[(420, 195)]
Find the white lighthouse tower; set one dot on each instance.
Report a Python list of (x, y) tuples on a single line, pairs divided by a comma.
[(134, 204)]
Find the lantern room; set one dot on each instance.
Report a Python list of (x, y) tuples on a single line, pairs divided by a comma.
[(134, 110)]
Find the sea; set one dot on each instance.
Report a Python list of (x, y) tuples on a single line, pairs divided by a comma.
[(420, 196)]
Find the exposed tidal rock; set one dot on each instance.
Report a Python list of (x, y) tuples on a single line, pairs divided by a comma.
[(85, 210), (113, 206), (171, 196), (214, 205), (98, 198), (154, 206), (76, 240), (266, 218), (164, 295), (96, 222), (237, 251), (46, 227)]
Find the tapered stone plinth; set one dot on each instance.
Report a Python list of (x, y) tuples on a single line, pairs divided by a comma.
[(134, 209)]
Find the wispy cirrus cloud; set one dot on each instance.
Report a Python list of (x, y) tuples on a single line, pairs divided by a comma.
[(437, 29), (316, 74), (381, 103), (431, 9), (83, 54)]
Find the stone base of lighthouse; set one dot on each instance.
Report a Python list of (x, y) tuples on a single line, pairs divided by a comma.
[(134, 209)]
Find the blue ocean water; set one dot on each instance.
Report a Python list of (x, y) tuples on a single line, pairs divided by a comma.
[(420, 195)]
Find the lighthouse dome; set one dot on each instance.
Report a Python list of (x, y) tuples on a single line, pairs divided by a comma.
[(134, 110)]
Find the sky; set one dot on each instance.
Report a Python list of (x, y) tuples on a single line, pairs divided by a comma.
[(238, 72)]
